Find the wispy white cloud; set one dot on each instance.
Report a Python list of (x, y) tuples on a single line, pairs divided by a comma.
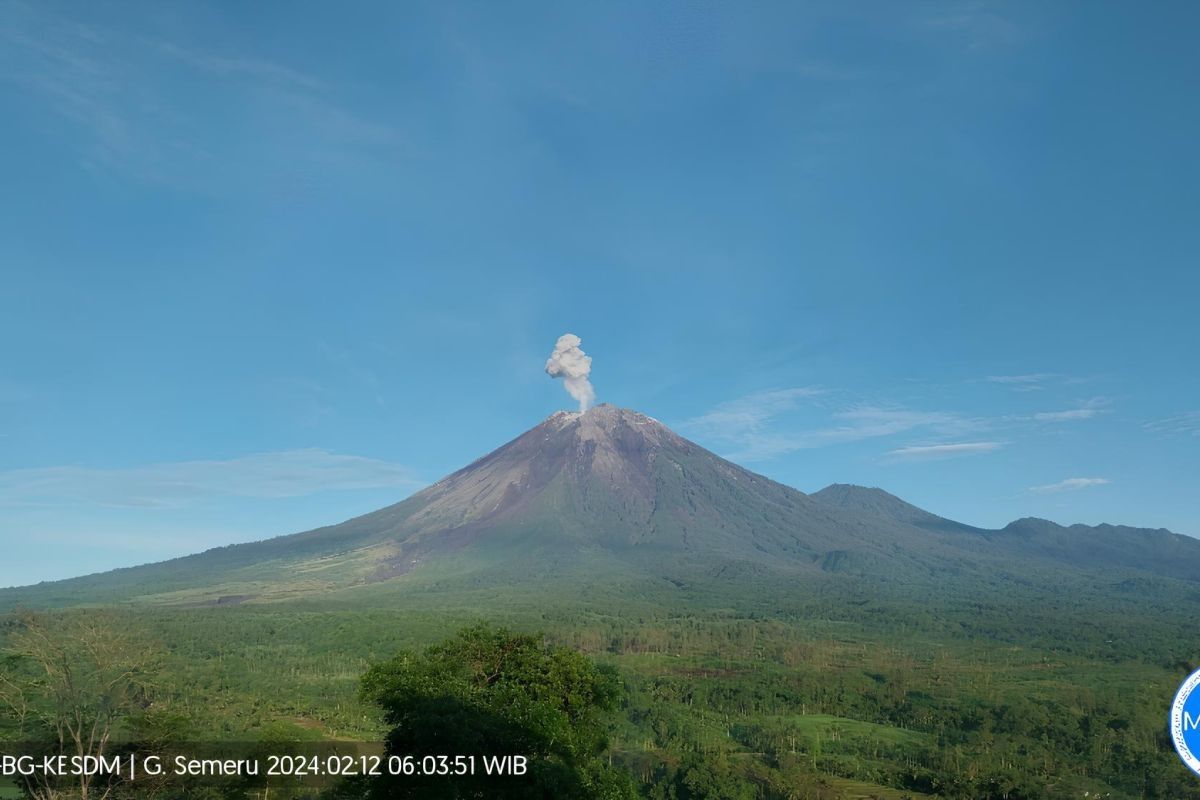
[(1069, 485), (1023, 383), (1188, 423), (950, 450), (114, 89), (1038, 381), (1086, 410), (240, 67), (750, 428), (877, 421), (748, 414), (290, 473), (58, 64), (976, 25)]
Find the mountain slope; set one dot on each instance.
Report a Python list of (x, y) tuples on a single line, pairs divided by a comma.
[(1102, 547), (1158, 551), (612, 496), (877, 502)]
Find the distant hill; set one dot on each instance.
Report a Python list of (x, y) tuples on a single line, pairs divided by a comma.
[(879, 503), (614, 496), (1089, 547), (1158, 551)]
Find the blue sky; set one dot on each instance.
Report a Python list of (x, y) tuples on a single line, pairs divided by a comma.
[(267, 266)]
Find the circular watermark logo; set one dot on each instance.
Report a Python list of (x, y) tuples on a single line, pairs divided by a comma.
[(1185, 722)]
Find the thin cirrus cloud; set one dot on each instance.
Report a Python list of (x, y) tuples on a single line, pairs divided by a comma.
[(1188, 423), (869, 422), (754, 426), (749, 413), (950, 450), (1086, 410), (113, 89), (1036, 381), (750, 428), (290, 473), (1023, 383), (237, 67), (1068, 485), (976, 27)]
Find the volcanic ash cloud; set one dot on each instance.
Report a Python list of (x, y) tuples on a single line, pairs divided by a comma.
[(573, 366)]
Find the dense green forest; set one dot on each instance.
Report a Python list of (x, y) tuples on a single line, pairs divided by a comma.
[(822, 695)]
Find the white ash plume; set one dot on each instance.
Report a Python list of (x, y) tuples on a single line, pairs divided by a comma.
[(573, 366)]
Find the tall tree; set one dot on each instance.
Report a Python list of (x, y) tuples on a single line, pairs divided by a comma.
[(70, 682), (491, 692)]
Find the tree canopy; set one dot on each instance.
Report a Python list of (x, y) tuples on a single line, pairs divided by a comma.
[(492, 692)]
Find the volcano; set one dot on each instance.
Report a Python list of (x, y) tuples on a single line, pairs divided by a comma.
[(612, 495)]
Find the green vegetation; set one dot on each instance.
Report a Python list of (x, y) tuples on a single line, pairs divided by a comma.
[(809, 692), (492, 693)]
